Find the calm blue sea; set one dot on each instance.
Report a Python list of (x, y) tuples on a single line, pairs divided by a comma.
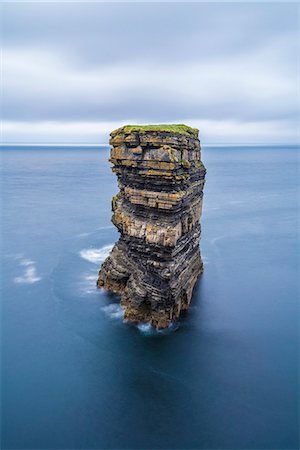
[(74, 376)]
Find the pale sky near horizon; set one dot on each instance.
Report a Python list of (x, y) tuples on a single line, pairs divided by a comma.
[(72, 72)]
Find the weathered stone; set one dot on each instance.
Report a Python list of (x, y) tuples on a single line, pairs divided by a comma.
[(156, 262)]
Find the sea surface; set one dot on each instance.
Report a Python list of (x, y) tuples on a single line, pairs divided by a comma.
[(74, 376)]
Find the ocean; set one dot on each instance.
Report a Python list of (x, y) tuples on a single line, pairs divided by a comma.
[(74, 376)]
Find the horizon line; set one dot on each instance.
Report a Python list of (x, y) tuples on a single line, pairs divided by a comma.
[(69, 144)]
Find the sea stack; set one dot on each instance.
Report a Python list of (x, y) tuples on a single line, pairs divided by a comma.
[(156, 262)]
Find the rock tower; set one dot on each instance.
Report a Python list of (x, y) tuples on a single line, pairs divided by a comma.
[(156, 262)]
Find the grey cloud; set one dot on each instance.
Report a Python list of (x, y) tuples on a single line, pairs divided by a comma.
[(102, 33), (153, 62), (234, 89)]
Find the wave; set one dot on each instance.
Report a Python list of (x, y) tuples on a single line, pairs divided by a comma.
[(30, 275), (96, 255), (87, 283), (145, 328), (148, 330), (204, 259), (89, 233), (114, 311), (26, 262)]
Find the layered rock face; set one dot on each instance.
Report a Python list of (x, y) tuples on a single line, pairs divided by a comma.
[(156, 262)]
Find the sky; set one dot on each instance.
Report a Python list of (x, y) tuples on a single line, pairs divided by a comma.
[(73, 72)]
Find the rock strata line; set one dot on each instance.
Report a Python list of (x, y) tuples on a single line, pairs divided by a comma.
[(156, 262)]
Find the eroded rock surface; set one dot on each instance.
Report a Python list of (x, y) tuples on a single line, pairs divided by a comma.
[(156, 262)]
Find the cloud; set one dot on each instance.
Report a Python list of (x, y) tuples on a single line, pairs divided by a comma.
[(211, 131), (99, 64), (100, 33), (241, 88)]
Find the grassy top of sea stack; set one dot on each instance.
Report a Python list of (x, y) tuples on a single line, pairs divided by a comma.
[(165, 128)]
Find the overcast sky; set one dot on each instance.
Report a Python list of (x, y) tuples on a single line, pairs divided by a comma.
[(72, 72)]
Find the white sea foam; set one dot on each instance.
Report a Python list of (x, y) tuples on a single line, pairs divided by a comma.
[(96, 255), (87, 284), (148, 330), (216, 239), (14, 256), (30, 275), (89, 277), (114, 311), (145, 328), (89, 233), (81, 235), (26, 262)]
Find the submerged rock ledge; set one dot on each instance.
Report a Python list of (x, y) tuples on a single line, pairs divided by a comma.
[(156, 262)]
